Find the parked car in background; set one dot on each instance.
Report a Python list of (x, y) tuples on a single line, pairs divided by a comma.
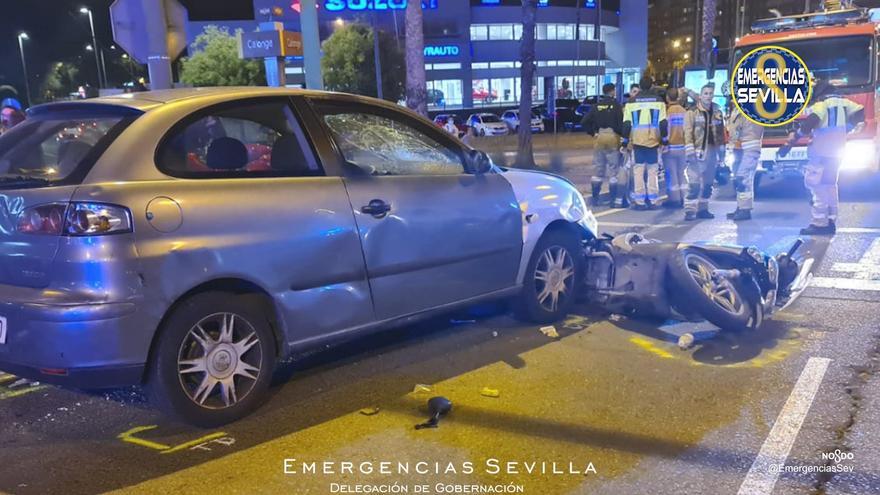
[(488, 124), (190, 239), (511, 118), (563, 116)]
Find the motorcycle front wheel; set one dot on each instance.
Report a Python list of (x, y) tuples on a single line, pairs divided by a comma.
[(695, 290)]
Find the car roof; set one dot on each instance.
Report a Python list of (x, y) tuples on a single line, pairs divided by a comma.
[(147, 100)]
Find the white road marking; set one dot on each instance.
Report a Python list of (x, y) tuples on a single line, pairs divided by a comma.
[(723, 226), (845, 283), (765, 470), (868, 268)]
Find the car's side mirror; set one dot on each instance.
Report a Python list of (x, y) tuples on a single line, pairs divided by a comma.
[(480, 162)]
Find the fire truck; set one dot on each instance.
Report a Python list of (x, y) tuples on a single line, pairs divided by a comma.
[(841, 47)]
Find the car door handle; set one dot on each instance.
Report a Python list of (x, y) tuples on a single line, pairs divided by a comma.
[(377, 208)]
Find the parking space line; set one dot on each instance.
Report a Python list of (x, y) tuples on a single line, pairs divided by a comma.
[(650, 347), (845, 283), (764, 472), (22, 391)]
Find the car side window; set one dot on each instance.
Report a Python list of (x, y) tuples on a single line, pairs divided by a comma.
[(250, 138), (382, 145)]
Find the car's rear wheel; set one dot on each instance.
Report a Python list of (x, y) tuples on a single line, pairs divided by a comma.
[(213, 361), (551, 279)]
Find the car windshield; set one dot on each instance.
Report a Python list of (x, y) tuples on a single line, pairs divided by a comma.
[(490, 119), (844, 61), (51, 148)]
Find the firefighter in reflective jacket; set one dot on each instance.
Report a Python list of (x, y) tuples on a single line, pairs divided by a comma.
[(645, 126), (745, 145), (704, 148), (605, 121), (828, 120), (674, 159)]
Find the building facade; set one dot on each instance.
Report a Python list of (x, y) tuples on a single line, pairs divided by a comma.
[(472, 47)]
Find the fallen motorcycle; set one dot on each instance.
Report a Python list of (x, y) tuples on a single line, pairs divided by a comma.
[(733, 287)]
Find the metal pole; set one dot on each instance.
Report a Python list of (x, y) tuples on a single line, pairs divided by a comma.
[(311, 44), (27, 87), (377, 58), (104, 69), (95, 46)]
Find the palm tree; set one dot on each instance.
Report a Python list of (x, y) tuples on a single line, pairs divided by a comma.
[(416, 85), (525, 157), (710, 9)]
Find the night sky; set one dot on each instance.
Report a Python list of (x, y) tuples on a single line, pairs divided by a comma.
[(58, 32)]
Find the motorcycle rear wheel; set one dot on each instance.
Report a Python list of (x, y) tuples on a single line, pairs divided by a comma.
[(720, 301)]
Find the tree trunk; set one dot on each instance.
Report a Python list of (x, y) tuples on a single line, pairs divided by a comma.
[(710, 9), (416, 84), (525, 157)]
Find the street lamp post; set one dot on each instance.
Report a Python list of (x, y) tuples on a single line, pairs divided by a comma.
[(27, 87), (85, 10)]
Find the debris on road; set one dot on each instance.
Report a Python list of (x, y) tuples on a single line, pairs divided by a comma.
[(490, 392), (421, 388), (686, 341), (437, 407), (369, 411), (494, 333), (550, 331)]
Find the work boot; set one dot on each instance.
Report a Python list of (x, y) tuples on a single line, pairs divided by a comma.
[(671, 204), (639, 206), (649, 205), (612, 197), (740, 214), (819, 229), (597, 191), (704, 214), (833, 225), (690, 216)]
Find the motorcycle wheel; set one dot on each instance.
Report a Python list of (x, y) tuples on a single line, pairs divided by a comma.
[(721, 302)]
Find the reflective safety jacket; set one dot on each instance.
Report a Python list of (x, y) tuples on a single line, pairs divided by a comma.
[(703, 128), (675, 115), (644, 121), (829, 119), (744, 134)]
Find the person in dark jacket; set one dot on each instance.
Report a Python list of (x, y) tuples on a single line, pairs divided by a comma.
[(605, 122)]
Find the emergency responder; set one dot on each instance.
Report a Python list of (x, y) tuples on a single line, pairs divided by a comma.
[(673, 154), (605, 122), (828, 120), (744, 144), (704, 148), (645, 126)]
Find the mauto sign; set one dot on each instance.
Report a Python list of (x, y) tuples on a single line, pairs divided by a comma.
[(260, 44)]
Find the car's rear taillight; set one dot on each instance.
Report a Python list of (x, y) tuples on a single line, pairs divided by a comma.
[(75, 219)]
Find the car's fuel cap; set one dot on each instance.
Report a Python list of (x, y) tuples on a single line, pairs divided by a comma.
[(164, 214)]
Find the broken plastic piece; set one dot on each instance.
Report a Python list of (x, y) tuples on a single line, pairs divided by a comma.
[(421, 388), (490, 392), (437, 407), (686, 341), (369, 411), (550, 331)]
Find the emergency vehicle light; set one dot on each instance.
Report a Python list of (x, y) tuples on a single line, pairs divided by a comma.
[(803, 21)]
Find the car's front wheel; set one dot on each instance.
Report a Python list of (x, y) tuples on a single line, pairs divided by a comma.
[(213, 361), (552, 278)]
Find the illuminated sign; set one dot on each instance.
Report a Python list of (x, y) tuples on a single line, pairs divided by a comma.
[(357, 5), (771, 85), (261, 44), (441, 50)]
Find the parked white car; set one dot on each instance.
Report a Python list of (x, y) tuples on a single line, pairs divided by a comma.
[(511, 118), (487, 124)]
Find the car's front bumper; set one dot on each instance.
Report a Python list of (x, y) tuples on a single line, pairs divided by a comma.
[(68, 339)]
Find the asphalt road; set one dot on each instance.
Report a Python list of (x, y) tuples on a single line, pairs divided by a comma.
[(612, 402)]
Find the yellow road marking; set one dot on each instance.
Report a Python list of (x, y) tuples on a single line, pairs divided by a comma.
[(129, 437), (650, 347), (6, 378), (17, 393), (193, 443)]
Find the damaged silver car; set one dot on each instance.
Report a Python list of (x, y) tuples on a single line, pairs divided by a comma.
[(189, 239)]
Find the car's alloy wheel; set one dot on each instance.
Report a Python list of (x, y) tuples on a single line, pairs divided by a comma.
[(219, 360), (554, 277)]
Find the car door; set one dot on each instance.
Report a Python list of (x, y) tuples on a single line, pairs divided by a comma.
[(250, 200), (432, 232)]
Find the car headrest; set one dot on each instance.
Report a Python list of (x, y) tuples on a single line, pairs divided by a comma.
[(70, 153), (287, 156), (226, 153)]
